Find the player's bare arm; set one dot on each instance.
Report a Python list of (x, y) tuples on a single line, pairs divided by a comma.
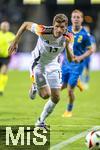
[(69, 52), (85, 55), (69, 47), (25, 26), (94, 47)]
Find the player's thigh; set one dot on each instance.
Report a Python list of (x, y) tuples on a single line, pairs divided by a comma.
[(42, 84), (4, 65), (65, 78), (4, 69), (54, 79), (72, 82)]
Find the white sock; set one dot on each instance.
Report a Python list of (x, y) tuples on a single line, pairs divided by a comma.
[(48, 108)]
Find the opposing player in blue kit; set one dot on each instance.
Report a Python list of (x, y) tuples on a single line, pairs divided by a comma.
[(82, 49)]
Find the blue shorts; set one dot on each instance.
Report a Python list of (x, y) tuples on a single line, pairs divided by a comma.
[(87, 62), (70, 79), (70, 74)]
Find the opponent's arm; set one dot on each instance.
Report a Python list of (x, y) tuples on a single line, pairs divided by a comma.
[(94, 47), (85, 55), (88, 46)]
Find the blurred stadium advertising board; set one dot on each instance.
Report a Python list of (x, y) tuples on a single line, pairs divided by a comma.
[(21, 61), (59, 1)]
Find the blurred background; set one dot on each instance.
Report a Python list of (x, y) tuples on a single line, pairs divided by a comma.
[(42, 12), (16, 108)]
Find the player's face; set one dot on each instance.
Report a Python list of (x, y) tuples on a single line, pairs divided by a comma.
[(59, 29), (5, 26), (76, 19)]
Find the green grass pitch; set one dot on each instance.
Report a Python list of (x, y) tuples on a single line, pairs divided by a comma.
[(17, 109)]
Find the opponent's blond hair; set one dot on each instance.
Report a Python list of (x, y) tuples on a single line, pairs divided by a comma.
[(78, 11)]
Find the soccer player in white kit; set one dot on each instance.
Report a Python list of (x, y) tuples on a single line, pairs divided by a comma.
[(44, 67)]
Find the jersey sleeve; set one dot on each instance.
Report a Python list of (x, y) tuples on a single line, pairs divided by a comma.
[(93, 41), (37, 29)]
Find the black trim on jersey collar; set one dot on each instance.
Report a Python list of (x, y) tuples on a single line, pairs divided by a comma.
[(48, 30)]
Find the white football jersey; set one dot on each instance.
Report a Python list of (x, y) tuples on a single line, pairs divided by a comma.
[(48, 47)]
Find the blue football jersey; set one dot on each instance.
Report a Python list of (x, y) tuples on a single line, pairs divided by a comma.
[(81, 41), (92, 38)]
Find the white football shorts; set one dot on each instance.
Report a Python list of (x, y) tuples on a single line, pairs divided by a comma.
[(52, 79)]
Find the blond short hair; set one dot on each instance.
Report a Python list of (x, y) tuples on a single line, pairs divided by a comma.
[(60, 18), (78, 11)]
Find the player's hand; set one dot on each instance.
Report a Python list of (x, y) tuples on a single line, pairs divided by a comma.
[(73, 57), (77, 59), (68, 39), (12, 48)]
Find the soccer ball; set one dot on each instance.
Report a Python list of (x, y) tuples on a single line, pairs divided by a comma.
[(93, 140)]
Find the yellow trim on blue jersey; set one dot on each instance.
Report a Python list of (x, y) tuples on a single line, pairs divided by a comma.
[(76, 31), (89, 46)]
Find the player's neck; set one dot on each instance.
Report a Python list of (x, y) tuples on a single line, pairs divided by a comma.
[(76, 29), (56, 37)]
